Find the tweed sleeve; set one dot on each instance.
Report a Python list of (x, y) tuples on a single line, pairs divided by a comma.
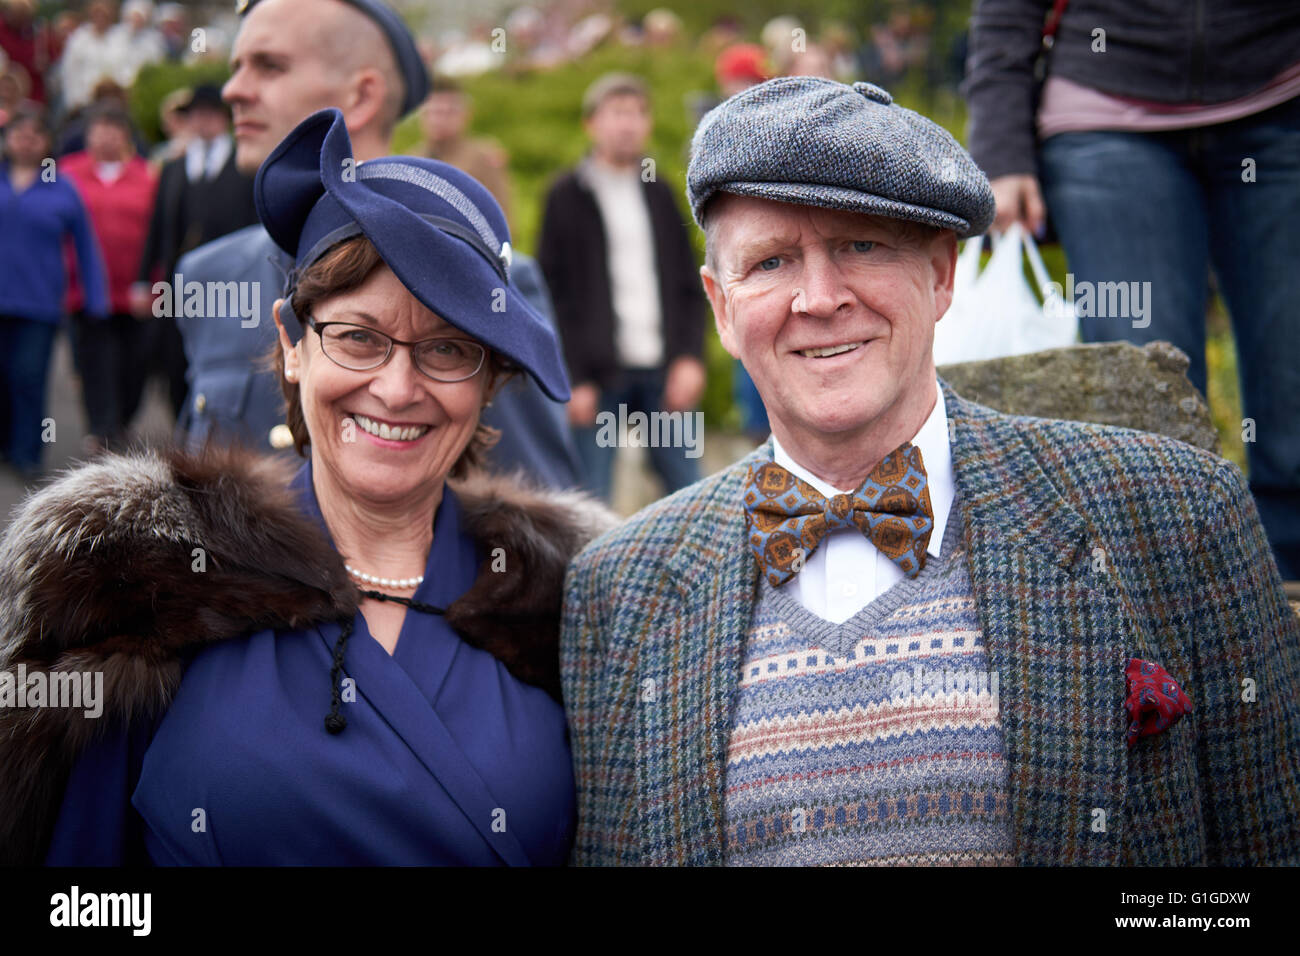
[(581, 667), (1247, 700)]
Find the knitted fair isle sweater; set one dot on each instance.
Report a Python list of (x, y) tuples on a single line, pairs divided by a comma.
[(876, 741)]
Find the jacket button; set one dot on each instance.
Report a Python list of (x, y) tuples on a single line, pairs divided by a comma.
[(200, 402), (281, 437), (873, 92)]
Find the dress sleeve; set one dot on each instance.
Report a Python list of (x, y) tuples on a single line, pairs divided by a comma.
[(96, 824)]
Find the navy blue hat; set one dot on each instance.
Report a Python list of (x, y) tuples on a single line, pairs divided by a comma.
[(816, 142), (437, 228), (409, 62)]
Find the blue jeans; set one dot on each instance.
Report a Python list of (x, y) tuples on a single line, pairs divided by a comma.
[(1167, 207), (753, 413), (640, 390), (25, 347)]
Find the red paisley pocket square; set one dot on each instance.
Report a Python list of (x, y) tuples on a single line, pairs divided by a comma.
[(1155, 701)]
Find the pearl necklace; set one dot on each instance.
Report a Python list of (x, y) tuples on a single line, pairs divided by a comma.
[(399, 583)]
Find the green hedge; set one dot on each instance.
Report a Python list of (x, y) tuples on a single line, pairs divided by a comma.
[(156, 80)]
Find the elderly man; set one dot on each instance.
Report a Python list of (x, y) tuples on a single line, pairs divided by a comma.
[(910, 629), (291, 58)]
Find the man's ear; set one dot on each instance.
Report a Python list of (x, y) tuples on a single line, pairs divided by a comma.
[(721, 318), (365, 101), (292, 369), (943, 262)]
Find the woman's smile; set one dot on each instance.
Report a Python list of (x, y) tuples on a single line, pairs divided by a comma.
[(386, 433)]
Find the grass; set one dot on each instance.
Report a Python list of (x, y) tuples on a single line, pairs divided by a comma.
[(1223, 385)]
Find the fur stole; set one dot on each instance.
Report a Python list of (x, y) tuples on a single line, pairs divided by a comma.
[(99, 572)]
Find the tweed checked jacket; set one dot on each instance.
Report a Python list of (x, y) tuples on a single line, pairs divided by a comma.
[(1087, 544)]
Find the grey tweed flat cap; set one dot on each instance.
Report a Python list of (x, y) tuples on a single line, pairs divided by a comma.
[(816, 142)]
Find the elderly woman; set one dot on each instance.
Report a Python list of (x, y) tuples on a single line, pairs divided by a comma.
[(359, 667)]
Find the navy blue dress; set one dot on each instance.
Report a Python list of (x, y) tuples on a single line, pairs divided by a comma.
[(446, 758)]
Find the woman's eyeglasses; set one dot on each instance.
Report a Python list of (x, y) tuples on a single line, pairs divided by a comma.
[(360, 348)]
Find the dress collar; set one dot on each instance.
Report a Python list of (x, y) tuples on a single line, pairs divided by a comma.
[(452, 562)]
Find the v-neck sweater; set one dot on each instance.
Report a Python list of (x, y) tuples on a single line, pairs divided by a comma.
[(876, 741)]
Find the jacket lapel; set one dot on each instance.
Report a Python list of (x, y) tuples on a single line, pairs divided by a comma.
[(1059, 628), (687, 674), (400, 702)]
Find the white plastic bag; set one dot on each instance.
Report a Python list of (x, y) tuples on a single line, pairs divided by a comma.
[(958, 336), (994, 312)]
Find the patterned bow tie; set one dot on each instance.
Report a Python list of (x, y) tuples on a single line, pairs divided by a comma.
[(788, 518)]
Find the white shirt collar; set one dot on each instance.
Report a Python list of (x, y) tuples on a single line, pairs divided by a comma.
[(110, 172), (595, 174), (204, 159), (936, 455)]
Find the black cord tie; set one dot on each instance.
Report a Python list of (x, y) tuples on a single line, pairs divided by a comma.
[(335, 721)]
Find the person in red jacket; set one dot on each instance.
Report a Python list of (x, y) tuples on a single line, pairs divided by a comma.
[(117, 187)]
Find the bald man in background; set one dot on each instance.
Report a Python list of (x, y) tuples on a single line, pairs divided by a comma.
[(290, 59)]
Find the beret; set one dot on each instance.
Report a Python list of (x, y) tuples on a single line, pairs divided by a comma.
[(437, 228), (410, 64), (816, 142)]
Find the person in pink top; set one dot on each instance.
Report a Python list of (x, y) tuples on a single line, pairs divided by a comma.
[(117, 187)]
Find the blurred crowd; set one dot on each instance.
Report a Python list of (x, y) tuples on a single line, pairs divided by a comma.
[(901, 43), (1147, 175), (121, 211), (62, 59)]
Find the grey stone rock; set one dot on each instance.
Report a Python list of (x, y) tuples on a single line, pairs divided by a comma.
[(1111, 383)]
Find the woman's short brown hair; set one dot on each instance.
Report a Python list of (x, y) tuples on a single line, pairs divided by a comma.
[(342, 269)]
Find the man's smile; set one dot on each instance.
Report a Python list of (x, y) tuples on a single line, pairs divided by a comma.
[(828, 350)]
